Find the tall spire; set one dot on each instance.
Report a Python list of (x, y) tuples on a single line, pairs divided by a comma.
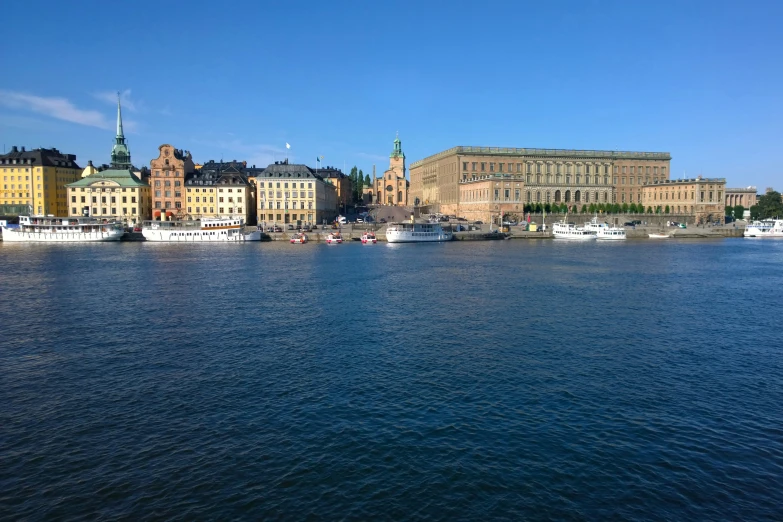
[(119, 118), (120, 154)]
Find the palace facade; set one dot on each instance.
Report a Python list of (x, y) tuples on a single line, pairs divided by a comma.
[(702, 198), (747, 197), (478, 182)]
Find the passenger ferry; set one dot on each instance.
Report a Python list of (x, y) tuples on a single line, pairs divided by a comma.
[(604, 232), (50, 229), (563, 230), (298, 239), (199, 230), (765, 228), (416, 233), (334, 238), (368, 238)]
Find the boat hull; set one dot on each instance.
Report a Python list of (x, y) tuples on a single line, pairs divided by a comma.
[(575, 237), (198, 236), (408, 237), (15, 236)]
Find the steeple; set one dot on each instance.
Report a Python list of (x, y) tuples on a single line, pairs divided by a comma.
[(120, 154), (397, 152), (119, 120)]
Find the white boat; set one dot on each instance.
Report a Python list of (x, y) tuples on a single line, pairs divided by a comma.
[(658, 236), (299, 239), (764, 228), (416, 233), (604, 232), (50, 229), (334, 238), (563, 230), (368, 238), (199, 230)]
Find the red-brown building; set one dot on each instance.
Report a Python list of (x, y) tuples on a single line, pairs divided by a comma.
[(167, 182)]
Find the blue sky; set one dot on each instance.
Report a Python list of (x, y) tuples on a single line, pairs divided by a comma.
[(238, 80)]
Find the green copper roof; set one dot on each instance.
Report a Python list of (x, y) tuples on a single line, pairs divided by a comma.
[(122, 177), (397, 152), (120, 154)]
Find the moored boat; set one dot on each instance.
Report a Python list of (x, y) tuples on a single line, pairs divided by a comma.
[(569, 231), (334, 238), (199, 230), (368, 238), (417, 233), (604, 232), (765, 228), (658, 236), (50, 229), (299, 239)]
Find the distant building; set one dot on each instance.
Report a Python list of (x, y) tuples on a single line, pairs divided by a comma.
[(34, 181), (218, 190), (167, 179), (114, 192), (393, 187), (702, 198), (341, 182), (291, 193), (481, 182), (747, 197)]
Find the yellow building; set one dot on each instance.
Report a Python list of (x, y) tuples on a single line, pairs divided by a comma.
[(113, 193), (34, 181), (218, 190), (89, 170), (294, 194), (699, 197)]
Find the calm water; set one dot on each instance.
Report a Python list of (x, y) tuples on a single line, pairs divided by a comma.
[(515, 379)]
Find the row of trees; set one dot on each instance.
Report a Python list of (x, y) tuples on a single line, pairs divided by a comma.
[(768, 206), (592, 208), (358, 182)]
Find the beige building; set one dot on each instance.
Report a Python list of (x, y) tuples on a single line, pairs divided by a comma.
[(218, 190), (747, 197), (113, 193), (290, 193), (35, 181), (702, 198), (464, 180), (393, 187), (167, 180)]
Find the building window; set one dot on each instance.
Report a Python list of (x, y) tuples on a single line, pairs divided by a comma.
[(483, 167), (464, 165), (492, 167), (473, 166), (500, 167)]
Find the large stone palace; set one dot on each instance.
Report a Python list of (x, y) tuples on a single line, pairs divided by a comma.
[(481, 182)]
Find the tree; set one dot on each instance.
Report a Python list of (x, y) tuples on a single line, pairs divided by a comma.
[(573, 209), (649, 210), (770, 205), (354, 182), (591, 209), (624, 208), (526, 207), (729, 210), (547, 207), (739, 211), (658, 209), (601, 208), (360, 185), (538, 208), (367, 181), (666, 210)]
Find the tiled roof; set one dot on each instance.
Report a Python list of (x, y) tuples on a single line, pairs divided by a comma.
[(124, 178), (39, 158)]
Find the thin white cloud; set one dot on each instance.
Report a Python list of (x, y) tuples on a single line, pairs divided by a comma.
[(55, 107), (125, 98), (258, 154)]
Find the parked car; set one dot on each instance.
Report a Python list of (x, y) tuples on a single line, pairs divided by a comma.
[(290, 227), (277, 229), (359, 220), (636, 222), (382, 220), (629, 224), (682, 225)]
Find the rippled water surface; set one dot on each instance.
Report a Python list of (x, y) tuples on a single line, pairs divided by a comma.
[(514, 379)]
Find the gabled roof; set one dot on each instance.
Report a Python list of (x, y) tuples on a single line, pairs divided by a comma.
[(39, 158), (123, 177)]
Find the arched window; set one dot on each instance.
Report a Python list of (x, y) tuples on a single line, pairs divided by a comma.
[(538, 196), (567, 196), (587, 197), (527, 197), (558, 196), (399, 197), (548, 196), (577, 196)]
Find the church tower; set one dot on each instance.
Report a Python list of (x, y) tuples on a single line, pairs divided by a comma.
[(120, 154), (392, 188), (397, 158)]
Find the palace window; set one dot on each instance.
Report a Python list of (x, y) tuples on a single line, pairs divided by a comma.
[(473, 166), (483, 167), (492, 167), (500, 167), (464, 165)]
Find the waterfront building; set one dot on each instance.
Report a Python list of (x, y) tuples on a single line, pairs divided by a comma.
[(167, 179), (218, 190), (295, 194), (393, 187), (479, 182), (34, 181), (747, 197), (701, 198), (113, 191), (340, 181)]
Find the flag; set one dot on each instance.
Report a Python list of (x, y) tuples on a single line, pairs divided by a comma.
[(287, 146), (317, 159)]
